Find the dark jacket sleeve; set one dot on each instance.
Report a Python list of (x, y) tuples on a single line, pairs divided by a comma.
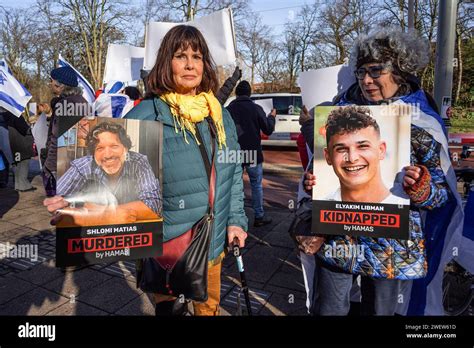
[(308, 132), (266, 123), (224, 92), (18, 123)]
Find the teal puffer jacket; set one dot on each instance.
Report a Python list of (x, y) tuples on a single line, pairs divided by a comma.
[(185, 184)]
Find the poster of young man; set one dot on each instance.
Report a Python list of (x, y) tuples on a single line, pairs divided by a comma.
[(109, 174), (360, 153)]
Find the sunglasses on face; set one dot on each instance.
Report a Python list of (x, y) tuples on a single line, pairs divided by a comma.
[(373, 71)]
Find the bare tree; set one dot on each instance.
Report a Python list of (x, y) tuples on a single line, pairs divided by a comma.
[(340, 22), (306, 30), (270, 66), (464, 34), (15, 34), (291, 54), (251, 39), (98, 24)]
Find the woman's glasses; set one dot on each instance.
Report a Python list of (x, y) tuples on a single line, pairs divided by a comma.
[(374, 71)]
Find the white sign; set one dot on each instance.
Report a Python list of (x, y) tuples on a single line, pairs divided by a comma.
[(123, 63), (40, 134), (266, 104), (322, 85), (217, 29)]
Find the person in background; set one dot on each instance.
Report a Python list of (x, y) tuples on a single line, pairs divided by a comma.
[(21, 145), (250, 120), (226, 89), (67, 99)]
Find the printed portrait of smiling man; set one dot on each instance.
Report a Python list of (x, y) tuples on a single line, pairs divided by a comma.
[(355, 151), (112, 184)]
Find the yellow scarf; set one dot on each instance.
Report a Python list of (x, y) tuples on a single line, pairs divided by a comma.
[(187, 110)]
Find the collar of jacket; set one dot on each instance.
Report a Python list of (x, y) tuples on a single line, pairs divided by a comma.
[(241, 98)]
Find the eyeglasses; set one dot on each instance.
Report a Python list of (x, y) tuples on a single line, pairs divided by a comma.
[(374, 71)]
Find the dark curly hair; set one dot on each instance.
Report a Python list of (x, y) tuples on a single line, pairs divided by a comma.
[(349, 119), (93, 137)]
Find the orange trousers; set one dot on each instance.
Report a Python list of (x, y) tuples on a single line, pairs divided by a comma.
[(211, 306)]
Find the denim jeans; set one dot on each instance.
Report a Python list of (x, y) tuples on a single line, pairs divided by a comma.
[(333, 287), (255, 174)]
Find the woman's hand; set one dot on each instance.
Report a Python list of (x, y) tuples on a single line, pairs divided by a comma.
[(55, 203), (412, 174), (304, 115), (416, 183), (236, 232), (309, 181)]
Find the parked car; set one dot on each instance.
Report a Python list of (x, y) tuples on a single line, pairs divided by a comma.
[(287, 128)]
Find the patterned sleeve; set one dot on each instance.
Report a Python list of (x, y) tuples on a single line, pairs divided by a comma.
[(70, 182), (148, 186), (425, 150)]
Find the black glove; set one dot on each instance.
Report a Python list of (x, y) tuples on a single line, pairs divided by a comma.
[(237, 74)]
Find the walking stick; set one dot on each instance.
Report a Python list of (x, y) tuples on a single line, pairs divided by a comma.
[(243, 281)]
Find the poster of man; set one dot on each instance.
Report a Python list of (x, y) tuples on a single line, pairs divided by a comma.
[(360, 153), (109, 191)]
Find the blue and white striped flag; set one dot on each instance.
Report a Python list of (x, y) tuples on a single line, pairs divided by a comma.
[(114, 105), (13, 95), (87, 90), (4, 63), (442, 226), (466, 253)]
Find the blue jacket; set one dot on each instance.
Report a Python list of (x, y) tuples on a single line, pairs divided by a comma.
[(185, 184)]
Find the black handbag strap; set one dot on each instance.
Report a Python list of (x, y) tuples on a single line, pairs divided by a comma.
[(202, 148), (210, 169)]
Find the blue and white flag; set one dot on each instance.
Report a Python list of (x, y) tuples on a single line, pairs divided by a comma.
[(114, 105), (114, 87), (4, 63), (466, 253), (87, 90), (13, 95), (442, 226)]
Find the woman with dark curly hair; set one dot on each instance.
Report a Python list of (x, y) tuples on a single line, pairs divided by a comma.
[(385, 63)]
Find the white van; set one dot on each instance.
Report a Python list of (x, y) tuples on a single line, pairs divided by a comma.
[(287, 127)]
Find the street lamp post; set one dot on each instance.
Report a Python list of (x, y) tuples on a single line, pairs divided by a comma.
[(446, 37)]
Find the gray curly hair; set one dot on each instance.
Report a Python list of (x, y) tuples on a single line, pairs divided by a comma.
[(405, 52)]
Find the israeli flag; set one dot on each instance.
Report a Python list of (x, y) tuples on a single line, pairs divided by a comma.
[(466, 254), (4, 63), (13, 95), (87, 90), (443, 227), (114, 105)]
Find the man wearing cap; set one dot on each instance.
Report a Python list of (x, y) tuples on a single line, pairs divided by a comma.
[(67, 101), (249, 120)]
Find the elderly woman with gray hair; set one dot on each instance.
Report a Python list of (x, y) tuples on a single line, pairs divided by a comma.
[(385, 63)]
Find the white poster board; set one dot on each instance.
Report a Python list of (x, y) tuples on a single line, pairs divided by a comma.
[(217, 29), (40, 133), (123, 63), (322, 85), (266, 104)]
